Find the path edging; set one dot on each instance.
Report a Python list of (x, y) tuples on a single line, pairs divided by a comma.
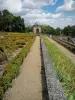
[(55, 91)]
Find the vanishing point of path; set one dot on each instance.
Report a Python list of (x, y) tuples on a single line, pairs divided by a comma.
[(28, 86), (68, 54)]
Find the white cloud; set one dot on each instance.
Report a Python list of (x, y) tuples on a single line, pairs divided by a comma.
[(40, 14), (69, 5), (21, 7), (13, 6), (31, 11), (54, 20), (16, 6), (52, 2)]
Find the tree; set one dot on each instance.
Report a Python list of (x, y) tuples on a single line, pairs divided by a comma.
[(58, 31), (69, 31), (9, 22), (53, 31), (47, 30), (73, 30), (0, 20), (18, 24), (29, 29)]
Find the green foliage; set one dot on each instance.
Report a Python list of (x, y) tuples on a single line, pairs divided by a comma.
[(69, 30), (18, 24), (12, 69), (28, 29), (64, 68), (13, 41), (47, 30), (58, 31), (11, 23), (3, 56), (1, 92)]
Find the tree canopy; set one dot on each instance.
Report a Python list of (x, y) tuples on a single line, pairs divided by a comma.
[(11, 23), (47, 29), (69, 31), (28, 28), (58, 31)]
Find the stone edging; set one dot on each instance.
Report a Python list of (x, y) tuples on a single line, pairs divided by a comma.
[(55, 91)]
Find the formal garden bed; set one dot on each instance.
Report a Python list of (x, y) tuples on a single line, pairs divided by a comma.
[(12, 69)]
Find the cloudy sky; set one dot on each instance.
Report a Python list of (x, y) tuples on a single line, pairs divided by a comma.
[(56, 13)]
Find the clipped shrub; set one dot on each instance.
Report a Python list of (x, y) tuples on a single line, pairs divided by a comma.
[(6, 81), (20, 43), (3, 57), (20, 46), (1, 92)]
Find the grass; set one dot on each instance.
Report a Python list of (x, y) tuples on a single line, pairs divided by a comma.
[(64, 67), (3, 33), (11, 42), (12, 69)]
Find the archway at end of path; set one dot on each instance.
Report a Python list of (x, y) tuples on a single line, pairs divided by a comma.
[(37, 31)]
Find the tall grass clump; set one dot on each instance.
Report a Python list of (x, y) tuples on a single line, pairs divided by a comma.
[(64, 67)]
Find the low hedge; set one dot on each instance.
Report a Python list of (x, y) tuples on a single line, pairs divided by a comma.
[(12, 69)]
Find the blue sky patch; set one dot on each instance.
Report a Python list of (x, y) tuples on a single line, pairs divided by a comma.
[(52, 8)]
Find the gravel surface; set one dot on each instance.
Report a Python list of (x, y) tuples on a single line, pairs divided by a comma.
[(28, 84), (69, 54)]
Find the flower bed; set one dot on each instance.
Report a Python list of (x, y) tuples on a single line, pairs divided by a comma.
[(12, 69)]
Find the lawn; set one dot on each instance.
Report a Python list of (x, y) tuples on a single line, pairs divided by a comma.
[(64, 67)]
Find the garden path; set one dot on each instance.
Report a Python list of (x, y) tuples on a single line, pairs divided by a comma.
[(28, 86)]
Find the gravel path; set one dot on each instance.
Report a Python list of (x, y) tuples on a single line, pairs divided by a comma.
[(69, 54), (28, 85)]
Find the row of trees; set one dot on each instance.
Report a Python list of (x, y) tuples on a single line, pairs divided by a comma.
[(50, 30), (11, 23), (67, 31), (47, 29)]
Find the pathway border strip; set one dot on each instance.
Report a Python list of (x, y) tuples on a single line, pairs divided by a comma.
[(55, 90)]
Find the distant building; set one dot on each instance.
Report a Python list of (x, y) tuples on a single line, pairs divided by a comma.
[(36, 29)]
